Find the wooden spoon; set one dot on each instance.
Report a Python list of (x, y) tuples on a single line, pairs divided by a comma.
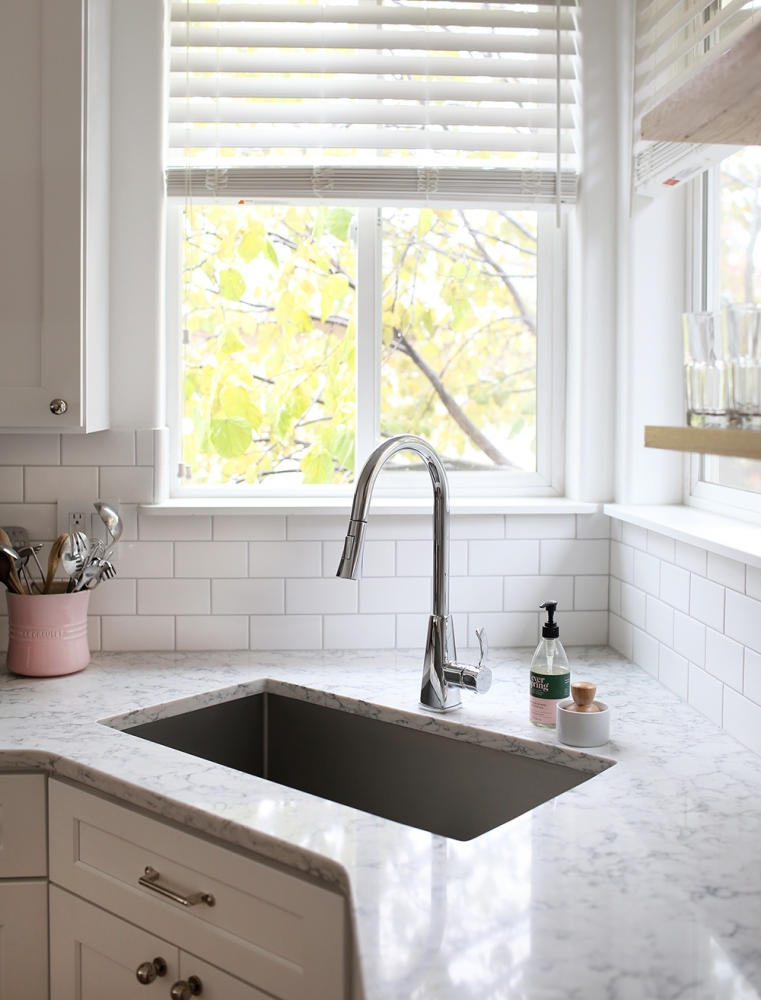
[(54, 561)]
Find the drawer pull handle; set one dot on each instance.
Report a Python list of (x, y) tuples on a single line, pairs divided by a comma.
[(184, 991), (147, 972), (151, 881)]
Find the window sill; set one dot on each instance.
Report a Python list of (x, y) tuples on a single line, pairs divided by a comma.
[(380, 505), (726, 536)]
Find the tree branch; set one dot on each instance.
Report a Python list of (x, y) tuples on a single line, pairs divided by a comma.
[(455, 411)]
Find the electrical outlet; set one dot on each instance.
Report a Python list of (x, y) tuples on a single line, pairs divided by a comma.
[(77, 522), (79, 514)]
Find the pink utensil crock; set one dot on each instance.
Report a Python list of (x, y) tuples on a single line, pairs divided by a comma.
[(47, 634)]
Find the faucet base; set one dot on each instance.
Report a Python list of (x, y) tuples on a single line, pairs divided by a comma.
[(437, 694)]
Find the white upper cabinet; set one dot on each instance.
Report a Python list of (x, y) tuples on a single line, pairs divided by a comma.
[(54, 213)]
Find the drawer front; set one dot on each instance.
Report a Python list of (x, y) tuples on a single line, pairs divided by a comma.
[(23, 940), (95, 955), (217, 985), (23, 827), (270, 929)]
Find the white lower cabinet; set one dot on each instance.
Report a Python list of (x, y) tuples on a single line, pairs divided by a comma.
[(24, 940)]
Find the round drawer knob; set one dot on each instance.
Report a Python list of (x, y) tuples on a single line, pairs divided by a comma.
[(58, 407), (148, 971), (185, 990)]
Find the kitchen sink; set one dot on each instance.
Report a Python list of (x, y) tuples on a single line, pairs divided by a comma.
[(426, 780)]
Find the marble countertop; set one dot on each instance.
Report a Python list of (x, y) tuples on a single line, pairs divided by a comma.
[(643, 883)]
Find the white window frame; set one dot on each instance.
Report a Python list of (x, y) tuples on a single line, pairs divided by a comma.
[(705, 215), (547, 481)]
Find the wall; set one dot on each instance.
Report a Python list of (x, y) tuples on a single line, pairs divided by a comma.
[(693, 620), (197, 582)]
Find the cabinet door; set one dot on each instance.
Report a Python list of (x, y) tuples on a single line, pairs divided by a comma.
[(54, 165), (95, 955), (23, 940), (217, 985)]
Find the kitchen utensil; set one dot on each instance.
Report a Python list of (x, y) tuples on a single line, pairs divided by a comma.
[(54, 561), (74, 555), (15, 565), (8, 575), (114, 524), (31, 551)]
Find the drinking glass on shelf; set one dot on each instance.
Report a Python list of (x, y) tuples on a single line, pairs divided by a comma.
[(744, 342), (706, 372)]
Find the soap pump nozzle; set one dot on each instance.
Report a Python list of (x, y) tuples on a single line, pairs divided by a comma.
[(550, 628)]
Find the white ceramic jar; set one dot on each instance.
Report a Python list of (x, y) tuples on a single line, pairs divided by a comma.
[(583, 729)]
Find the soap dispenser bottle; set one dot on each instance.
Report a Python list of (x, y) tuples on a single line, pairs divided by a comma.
[(550, 673)]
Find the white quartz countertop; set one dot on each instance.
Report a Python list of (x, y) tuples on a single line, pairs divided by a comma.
[(643, 883)]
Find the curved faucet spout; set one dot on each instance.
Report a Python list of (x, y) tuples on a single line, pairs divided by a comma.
[(350, 566)]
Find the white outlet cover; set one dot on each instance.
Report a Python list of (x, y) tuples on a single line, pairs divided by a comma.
[(94, 527)]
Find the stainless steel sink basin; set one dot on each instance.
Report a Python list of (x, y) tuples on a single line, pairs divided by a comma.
[(426, 780)]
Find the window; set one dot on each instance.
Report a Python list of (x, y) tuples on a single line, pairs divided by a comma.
[(364, 239), (732, 223)]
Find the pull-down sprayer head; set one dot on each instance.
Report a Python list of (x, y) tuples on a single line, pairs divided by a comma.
[(350, 566)]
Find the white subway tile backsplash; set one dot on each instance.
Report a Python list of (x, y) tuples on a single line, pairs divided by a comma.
[(673, 671), (593, 525), (414, 557), (660, 546), (138, 632), (40, 520), (753, 582), (541, 526), (752, 676), (316, 527), (93, 633), (475, 593), (211, 559), (359, 631), (633, 605), (724, 659), (11, 484), (622, 561), (527, 593), (102, 448), (675, 587), (743, 620), (128, 514), (691, 557), (742, 719), (46, 483), (477, 526), (634, 535), (518, 628), (645, 651), (503, 558), (248, 528), (145, 559), (165, 528), (394, 527), (114, 597), (727, 572), (705, 694), (707, 602), (690, 638), (620, 635), (247, 597), (284, 559), (285, 632), (379, 558), (325, 596), (212, 632), (131, 485), (590, 593), (616, 529), (173, 597), (647, 573), (394, 595), (659, 621), (411, 631), (458, 557), (30, 449), (577, 556), (143, 447), (584, 628), (614, 595)]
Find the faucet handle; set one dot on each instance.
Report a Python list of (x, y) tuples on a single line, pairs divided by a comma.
[(483, 645)]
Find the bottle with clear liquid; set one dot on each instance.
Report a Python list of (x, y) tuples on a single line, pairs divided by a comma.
[(550, 673)]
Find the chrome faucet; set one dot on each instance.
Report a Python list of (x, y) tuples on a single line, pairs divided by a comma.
[(443, 676)]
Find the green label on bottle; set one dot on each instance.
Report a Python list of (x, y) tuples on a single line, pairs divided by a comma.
[(553, 687)]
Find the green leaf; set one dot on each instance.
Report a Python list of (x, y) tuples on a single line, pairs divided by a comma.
[(236, 402), (425, 222), (229, 343), (302, 320), (251, 246), (337, 222), (334, 290), (230, 437), (319, 225), (317, 466), (284, 307), (231, 284), (271, 254)]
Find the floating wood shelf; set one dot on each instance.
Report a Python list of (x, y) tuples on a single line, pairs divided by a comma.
[(720, 104), (705, 440)]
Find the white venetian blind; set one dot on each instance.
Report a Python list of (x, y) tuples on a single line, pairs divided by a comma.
[(674, 40), (423, 84)]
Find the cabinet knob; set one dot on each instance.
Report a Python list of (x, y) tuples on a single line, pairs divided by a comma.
[(185, 990), (58, 406), (148, 971)]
